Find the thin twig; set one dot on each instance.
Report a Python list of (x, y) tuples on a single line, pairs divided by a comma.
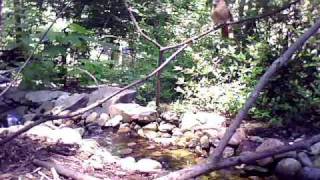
[(90, 75), (13, 81), (133, 19)]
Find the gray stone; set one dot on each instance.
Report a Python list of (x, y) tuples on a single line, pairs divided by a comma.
[(132, 144), (228, 152), (151, 126), (43, 95), (210, 120), (45, 107), (71, 103), (252, 169), (113, 122), (148, 165), (304, 159), (315, 148), (268, 144), (309, 173), (93, 117), (189, 121), (212, 133), (177, 132), (170, 117), (166, 127), (164, 135), (125, 151), (128, 163), (204, 141), (68, 135), (165, 141), (127, 96), (131, 112), (147, 133), (103, 119), (237, 137), (288, 168)]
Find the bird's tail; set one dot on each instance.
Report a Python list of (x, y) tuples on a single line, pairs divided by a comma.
[(225, 31)]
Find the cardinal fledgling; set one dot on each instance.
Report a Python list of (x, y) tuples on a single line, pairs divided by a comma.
[(221, 14)]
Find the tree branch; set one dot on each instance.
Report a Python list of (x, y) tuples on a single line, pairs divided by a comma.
[(243, 159), (133, 19)]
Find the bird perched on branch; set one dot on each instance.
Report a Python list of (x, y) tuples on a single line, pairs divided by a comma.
[(221, 14)]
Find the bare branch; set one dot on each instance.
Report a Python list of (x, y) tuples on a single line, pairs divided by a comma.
[(241, 21), (272, 70), (90, 75), (13, 81), (133, 19), (243, 159)]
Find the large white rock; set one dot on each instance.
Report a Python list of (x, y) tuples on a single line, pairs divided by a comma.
[(188, 121), (166, 127), (148, 165), (43, 95), (128, 163), (131, 111)]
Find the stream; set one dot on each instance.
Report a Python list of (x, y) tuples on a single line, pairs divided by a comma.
[(171, 158)]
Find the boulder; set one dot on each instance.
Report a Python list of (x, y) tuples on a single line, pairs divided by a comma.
[(71, 103), (268, 144), (166, 127), (170, 116), (131, 112), (177, 132), (125, 151), (210, 120), (148, 165), (315, 149), (304, 159), (151, 126), (43, 96), (288, 168), (204, 141), (128, 163), (127, 96), (228, 152), (309, 173), (188, 121), (237, 137), (149, 134), (113, 122)]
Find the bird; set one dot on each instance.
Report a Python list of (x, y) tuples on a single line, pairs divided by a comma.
[(220, 15)]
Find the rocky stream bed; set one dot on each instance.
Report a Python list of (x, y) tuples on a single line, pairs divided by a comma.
[(123, 140)]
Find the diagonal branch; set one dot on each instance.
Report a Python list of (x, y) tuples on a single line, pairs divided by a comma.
[(272, 70), (133, 19)]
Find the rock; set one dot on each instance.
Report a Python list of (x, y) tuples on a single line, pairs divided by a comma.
[(165, 141), (71, 103), (149, 134), (188, 121), (127, 96), (125, 151), (45, 107), (315, 149), (131, 144), (212, 133), (103, 119), (256, 170), (304, 159), (29, 117), (43, 96), (96, 162), (204, 142), (68, 135), (177, 132), (114, 122), (123, 130), (80, 130), (42, 131), (128, 163), (210, 120), (288, 168), (309, 173), (92, 117), (13, 119), (256, 139), (151, 126), (192, 143), (132, 111), (316, 162), (237, 137), (148, 165), (228, 152), (170, 117), (166, 127), (88, 146), (247, 145), (290, 154), (268, 144), (164, 135)]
